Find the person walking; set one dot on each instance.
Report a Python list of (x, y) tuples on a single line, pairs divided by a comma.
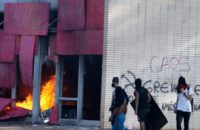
[(183, 103), (118, 106), (142, 100)]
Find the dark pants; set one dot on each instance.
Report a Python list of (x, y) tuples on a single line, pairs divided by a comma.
[(179, 116)]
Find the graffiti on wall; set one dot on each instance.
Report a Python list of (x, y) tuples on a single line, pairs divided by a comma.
[(155, 87), (157, 65), (180, 64), (171, 106), (160, 88)]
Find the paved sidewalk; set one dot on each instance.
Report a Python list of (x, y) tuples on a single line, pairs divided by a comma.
[(49, 127), (40, 127), (22, 125)]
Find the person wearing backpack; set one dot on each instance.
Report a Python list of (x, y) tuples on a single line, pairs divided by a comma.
[(118, 106), (183, 103), (142, 100)]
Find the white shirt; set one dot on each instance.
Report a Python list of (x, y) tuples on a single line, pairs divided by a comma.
[(184, 104)]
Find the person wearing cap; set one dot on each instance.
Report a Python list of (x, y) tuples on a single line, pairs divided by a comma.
[(118, 106)]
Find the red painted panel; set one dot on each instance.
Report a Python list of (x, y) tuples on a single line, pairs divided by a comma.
[(4, 102), (89, 42), (65, 43), (26, 56), (71, 14), (13, 113), (94, 14), (17, 45), (54, 115), (26, 18), (7, 75), (7, 48), (11, 18)]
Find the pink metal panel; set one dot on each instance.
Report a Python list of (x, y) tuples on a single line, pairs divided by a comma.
[(26, 18), (71, 15), (54, 115), (7, 48), (13, 113), (11, 18), (17, 45), (4, 102), (94, 14), (65, 43), (7, 75), (89, 42), (26, 56)]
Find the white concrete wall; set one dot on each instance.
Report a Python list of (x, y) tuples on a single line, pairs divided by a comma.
[(157, 40)]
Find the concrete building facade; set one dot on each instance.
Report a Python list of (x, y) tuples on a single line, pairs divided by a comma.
[(157, 41)]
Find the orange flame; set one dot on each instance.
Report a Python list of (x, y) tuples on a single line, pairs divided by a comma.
[(7, 108), (47, 96)]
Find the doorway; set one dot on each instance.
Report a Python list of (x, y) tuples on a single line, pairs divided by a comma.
[(80, 88), (92, 88)]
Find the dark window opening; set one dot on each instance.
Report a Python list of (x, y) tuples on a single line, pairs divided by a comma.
[(92, 88), (69, 109), (70, 76), (48, 70), (1, 20)]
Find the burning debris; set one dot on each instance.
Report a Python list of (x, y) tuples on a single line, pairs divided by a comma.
[(47, 96), (7, 111), (23, 108)]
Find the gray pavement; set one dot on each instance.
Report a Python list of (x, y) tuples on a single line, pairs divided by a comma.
[(23, 125), (46, 127), (49, 127)]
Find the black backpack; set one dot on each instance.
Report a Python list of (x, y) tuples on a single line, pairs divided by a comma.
[(120, 94)]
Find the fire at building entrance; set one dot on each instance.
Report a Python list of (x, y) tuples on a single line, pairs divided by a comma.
[(47, 96), (51, 63)]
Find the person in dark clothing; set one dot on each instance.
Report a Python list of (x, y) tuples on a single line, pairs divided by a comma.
[(115, 83), (183, 103), (142, 99), (118, 106)]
